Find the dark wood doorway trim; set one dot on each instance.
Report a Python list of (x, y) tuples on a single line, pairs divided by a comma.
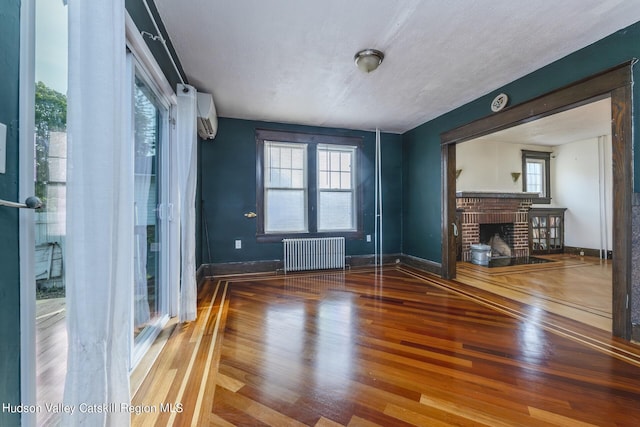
[(614, 83)]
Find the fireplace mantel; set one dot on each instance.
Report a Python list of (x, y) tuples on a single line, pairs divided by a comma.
[(495, 195)]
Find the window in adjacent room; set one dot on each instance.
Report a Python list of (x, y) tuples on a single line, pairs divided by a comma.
[(536, 174), (307, 185)]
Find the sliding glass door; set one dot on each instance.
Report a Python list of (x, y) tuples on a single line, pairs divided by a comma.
[(150, 308), (43, 167)]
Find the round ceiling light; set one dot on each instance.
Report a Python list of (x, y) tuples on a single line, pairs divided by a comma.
[(368, 60)]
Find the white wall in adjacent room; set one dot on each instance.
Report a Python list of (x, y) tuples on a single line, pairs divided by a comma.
[(575, 186), (487, 165)]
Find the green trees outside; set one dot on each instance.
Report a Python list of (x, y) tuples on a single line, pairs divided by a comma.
[(51, 116)]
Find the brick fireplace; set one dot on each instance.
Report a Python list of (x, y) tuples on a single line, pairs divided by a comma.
[(505, 210)]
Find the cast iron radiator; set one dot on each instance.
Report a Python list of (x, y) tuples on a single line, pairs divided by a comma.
[(321, 253)]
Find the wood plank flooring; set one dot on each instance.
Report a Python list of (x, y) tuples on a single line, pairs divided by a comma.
[(572, 286), (394, 348), (51, 356)]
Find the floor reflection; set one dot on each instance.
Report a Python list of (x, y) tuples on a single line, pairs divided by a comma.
[(531, 337), (314, 334), (318, 283), (335, 344)]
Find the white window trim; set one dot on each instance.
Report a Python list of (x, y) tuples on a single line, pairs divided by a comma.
[(156, 78)]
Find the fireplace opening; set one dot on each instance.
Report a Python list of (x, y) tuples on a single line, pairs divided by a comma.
[(499, 237)]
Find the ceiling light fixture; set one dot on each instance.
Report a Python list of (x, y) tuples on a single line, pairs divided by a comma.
[(368, 60)]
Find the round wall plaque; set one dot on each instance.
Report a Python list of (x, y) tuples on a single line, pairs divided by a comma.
[(499, 102)]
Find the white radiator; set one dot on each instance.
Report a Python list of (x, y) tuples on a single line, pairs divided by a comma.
[(321, 253)]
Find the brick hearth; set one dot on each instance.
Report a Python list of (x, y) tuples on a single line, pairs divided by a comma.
[(494, 208)]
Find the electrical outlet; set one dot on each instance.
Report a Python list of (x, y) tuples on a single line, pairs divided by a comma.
[(368, 237), (581, 253), (238, 244)]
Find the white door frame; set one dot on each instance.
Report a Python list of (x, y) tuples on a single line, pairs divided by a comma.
[(26, 187), (136, 69)]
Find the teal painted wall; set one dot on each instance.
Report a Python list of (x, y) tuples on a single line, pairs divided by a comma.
[(140, 16), (9, 249), (421, 146), (228, 190)]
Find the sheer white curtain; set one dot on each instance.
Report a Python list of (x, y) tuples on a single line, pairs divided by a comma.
[(99, 214), (143, 166), (173, 215), (186, 159)]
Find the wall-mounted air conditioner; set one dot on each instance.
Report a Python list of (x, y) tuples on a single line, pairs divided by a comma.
[(207, 118)]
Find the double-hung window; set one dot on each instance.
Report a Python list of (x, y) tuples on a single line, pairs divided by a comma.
[(536, 175), (336, 188), (285, 187), (307, 185)]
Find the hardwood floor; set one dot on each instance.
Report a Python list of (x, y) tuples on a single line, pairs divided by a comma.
[(51, 356), (400, 347), (572, 286)]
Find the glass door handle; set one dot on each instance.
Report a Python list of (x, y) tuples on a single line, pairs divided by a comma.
[(31, 203), (455, 229)]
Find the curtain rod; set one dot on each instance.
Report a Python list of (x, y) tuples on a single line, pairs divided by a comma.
[(162, 40)]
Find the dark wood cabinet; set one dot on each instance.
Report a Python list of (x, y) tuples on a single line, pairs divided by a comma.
[(546, 230)]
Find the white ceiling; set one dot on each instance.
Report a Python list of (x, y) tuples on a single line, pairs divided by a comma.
[(585, 122), (292, 61)]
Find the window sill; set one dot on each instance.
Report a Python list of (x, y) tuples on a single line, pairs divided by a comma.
[(272, 238)]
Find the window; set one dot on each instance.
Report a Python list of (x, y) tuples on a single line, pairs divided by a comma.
[(336, 195), (285, 189), (536, 174), (307, 185)]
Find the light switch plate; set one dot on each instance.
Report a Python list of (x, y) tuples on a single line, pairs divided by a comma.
[(238, 244), (3, 148)]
